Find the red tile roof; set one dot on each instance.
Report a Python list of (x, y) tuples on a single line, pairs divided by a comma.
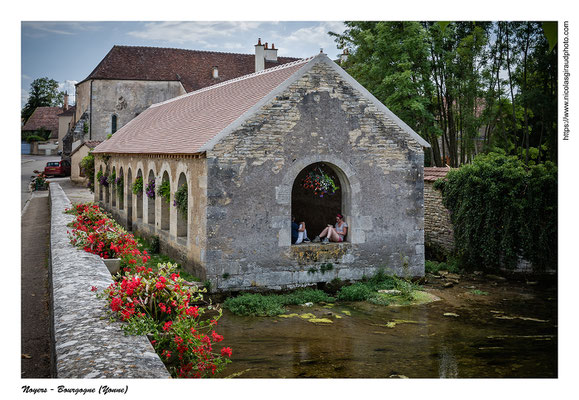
[(431, 174), (69, 112), (43, 117), (193, 68), (91, 144), (183, 125)]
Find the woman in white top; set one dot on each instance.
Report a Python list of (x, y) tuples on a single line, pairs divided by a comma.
[(334, 233)]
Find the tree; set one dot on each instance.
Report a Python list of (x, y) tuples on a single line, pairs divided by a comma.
[(43, 93)]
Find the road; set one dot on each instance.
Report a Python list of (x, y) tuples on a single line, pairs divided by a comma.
[(28, 165)]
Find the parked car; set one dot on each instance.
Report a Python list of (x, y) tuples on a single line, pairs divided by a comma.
[(57, 168)]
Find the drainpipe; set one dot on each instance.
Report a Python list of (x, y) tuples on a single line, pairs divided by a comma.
[(90, 113)]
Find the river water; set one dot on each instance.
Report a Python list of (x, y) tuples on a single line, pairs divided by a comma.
[(476, 330)]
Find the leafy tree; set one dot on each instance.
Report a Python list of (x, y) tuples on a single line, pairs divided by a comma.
[(502, 210), (43, 93)]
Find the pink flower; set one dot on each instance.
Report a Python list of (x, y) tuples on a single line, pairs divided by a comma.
[(226, 351)]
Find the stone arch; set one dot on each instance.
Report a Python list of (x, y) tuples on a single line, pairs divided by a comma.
[(140, 195), (182, 218), (120, 188), (351, 198), (127, 186), (316, 208), (107, 187), (113, 186), (165, 205), (151, 197), (98, 185)]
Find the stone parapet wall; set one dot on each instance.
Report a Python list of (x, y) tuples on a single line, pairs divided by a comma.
[(86, 343), (438, 231)]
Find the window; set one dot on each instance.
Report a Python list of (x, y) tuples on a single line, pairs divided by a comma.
[(113, 124)]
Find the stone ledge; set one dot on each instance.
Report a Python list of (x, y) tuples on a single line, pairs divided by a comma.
[(86, 343)]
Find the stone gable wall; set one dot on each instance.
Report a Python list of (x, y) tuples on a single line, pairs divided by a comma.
[(438, 231), (318, 118)]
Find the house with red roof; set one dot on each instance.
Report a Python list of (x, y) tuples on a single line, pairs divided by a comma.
[(44, 121), (224, 168), (131, 78)]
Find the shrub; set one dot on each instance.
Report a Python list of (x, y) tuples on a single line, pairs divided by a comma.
[(254, 304), (356, 292), (161, 305), (87, 168), (502, 210)]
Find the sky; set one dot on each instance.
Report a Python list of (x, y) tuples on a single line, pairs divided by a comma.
[(68, 51)]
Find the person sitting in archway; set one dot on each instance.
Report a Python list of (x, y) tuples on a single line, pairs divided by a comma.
[(335, 233), (299, 232)]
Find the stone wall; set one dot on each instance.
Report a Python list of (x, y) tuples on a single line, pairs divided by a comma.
[(123, 98), (86, 343), (318, 118), (186, 248), (438, 231)]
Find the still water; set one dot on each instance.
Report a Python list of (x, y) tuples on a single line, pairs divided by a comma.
[(510, 330)]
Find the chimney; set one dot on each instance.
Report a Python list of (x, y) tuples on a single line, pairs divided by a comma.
[(215, 72), (271, 54), (65, 105), (259, 56)]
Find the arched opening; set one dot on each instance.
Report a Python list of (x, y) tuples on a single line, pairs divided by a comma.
[(98, 184), (140, 189), (129, 200), (107, 186), (317, 196), (182, 204), (113, 185), (120, 187), (165, 194), (150, 192)]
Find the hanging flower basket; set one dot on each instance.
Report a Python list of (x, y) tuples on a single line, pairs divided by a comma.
[(165, 191), (120, 187), (138, 185), (181, 199), (319, 182), (103, 178), (150, 189)]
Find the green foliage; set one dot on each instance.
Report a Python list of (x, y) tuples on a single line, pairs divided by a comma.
[(271, 305), (165, 191), (356, 292), (87, 168), (34, 138), (501, 211), (43, 93), (433, 267), (138, 186), (181, 199)]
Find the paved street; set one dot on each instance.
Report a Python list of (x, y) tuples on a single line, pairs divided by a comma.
[(28, 164)]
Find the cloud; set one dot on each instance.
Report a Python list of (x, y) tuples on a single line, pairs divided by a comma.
[(308, 40), (69, 87), (202, 33), (37, 29)]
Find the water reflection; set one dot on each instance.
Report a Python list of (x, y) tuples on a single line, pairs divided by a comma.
[(381, 342)]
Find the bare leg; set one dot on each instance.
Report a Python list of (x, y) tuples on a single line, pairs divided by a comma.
[(324, 232), (333, 235)]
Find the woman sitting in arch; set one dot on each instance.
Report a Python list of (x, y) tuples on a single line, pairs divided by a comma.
[(335, 233)]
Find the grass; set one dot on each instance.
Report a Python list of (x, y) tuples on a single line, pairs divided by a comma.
[(434, 267), (273, 304)]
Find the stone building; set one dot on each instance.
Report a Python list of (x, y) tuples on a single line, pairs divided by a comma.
[(130, 78), (241, 149), (438, 230)]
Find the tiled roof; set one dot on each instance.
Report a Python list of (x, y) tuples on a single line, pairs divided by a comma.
[(43, 117), (91, 144), (193, 68), (183, 125), (68, 112), (431, 174)]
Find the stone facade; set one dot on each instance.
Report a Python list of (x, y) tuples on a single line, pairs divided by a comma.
[(438, 231), (124, 99), (240, 189)]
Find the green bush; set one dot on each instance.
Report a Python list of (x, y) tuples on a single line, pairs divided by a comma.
[(87, 168), (34, 138), (502, 210), (254, 304), (356, 292)]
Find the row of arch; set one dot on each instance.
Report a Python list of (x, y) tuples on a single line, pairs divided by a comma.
[(120, 187)]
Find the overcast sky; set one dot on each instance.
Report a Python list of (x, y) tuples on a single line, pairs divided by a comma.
[(68, 51)]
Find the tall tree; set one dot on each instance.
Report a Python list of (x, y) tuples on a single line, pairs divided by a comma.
[(43, 93)]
